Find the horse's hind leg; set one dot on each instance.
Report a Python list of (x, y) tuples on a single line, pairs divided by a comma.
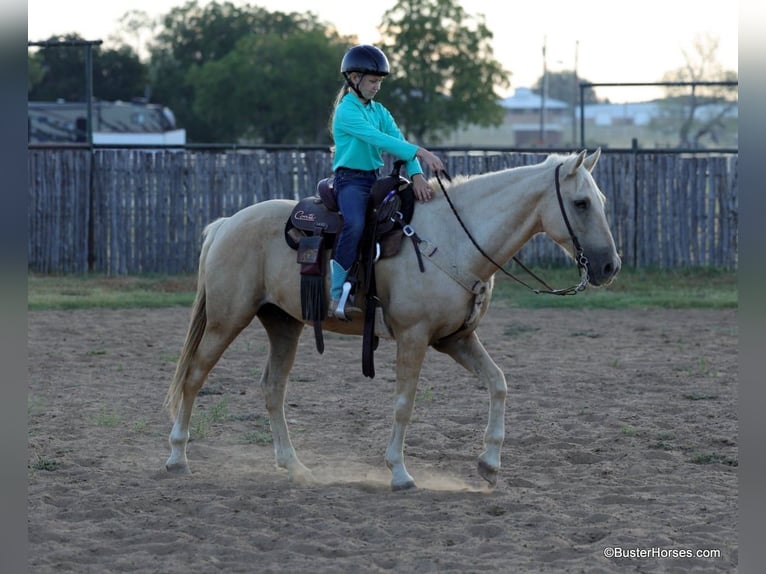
[(471, 354), (284, 332), (213, 343)]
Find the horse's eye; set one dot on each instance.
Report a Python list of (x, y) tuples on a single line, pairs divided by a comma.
[(581, 204)]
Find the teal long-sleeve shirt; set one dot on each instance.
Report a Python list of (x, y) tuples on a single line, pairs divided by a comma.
[(361, 131)]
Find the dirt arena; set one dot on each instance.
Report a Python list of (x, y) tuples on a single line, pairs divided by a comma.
[(621, 437)]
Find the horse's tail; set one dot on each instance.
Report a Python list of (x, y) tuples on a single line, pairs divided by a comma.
[(196, 325)]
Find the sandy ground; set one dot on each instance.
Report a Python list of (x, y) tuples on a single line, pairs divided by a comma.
[(621, 432)]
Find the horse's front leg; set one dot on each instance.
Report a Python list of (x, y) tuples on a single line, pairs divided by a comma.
[(409, 360), (471, 354)]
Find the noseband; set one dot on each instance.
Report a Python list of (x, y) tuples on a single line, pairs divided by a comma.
[(580, 258)]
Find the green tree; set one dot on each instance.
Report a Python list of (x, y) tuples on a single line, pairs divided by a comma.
[(565, 86), (193, 36), (63, 71), (59, 72), (118, 74), (35, 71), (443, 71), (136, 29), (700, 114), (271, 88)]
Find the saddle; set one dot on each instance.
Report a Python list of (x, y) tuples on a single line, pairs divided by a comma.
[(392, 203), (312, 230)]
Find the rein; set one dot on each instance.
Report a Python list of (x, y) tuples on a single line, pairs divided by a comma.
[(580, 258)]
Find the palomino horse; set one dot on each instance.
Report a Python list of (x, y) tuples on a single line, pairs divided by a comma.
[(246, 270)]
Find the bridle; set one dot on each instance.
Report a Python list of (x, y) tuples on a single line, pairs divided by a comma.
[(580, 258)]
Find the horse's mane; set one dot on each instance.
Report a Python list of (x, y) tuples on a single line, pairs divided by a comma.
[(456, 180), (553, 158), (462, 178)]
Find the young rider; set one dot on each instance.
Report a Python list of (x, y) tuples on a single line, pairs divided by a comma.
[(361, 129)]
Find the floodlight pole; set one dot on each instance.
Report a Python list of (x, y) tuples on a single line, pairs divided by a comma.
[(89, 92), (88, 45)]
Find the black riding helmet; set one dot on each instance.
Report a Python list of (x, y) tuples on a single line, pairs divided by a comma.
[(365, 59)]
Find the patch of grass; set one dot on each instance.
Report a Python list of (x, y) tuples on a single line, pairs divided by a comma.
[(426, 395), (714, 458), (202, 421), (88, 291), (628, 430), (632, 289), (586, 333), (663, 441), (199, 427), (42, 462), (519, 330), (108, 418), (260, 437), (703, 288), (141, 426), (702, 368), (699, 397), (219, 411), (35, 406)]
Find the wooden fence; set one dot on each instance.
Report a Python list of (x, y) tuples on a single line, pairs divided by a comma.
[(128, 211)]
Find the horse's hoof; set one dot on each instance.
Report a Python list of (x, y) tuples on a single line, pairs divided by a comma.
[(488, 473), (299, 474), (177, 468), (409, 485), (302, 478)]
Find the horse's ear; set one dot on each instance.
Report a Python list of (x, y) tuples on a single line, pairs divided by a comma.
[(592, 159), (573, 163)]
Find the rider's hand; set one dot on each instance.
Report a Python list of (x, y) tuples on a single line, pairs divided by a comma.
[(432, 160), (423, 191)]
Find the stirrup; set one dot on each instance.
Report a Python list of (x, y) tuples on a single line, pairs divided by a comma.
[(339, 308), (340, 312)]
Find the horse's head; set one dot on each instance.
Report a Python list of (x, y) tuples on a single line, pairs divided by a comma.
[(580, 202)]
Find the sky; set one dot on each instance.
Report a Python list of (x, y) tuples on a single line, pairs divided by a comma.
[(604, 40)]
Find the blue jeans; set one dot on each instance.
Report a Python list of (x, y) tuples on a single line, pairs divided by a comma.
[(352, 191)]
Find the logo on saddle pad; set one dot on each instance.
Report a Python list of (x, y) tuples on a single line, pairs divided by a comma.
[(303, 216)]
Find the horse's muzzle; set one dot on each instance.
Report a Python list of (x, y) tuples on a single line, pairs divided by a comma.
[(603, 268)]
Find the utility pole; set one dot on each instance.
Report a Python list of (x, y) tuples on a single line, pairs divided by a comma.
[(543, 89), (575, 94)]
